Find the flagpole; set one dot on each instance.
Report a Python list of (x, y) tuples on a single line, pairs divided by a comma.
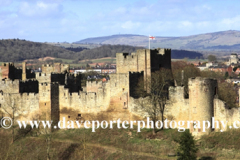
[(150, 38), (149, 42)]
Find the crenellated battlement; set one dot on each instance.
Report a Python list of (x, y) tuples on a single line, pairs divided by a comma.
[(75, 75), (9, 82), (176, 93), (130, 73), (28, 80), (200, 81), (29, 96), (129, 57), (45, 84), (47, 65), (123, 55), (8, 64), (94, 83), (39, 74)]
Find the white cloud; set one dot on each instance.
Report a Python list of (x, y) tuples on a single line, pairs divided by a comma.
[(40, 9), (234, 21), (130, 25), (186, 24)]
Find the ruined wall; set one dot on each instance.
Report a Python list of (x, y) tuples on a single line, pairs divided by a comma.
[(43, 77), (101, 100), (177, 107), (92, 86), (118, 83), (47, 68), (7, 70), (84, 103), (65, 67), (9, 86), (60, 94), (201, 96), (26, 104), (223, 113), (56, 68)]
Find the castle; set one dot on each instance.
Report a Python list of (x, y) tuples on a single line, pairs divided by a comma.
[(56, 93)]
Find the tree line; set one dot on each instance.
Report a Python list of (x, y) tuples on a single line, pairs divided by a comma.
[(18, 50)]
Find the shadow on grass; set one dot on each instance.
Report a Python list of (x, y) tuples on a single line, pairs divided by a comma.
[(67, 153), (207, 158)]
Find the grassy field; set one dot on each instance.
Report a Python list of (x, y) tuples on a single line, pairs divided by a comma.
[(114, 144)]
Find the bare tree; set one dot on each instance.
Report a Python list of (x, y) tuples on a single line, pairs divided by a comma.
[(46, 132), (156, 100), (182, 72), (13, 108)]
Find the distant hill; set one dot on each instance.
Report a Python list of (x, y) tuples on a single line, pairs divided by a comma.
[(111, 50), (107, 51), (224, 40), (18, 50), (13, 50), (114, 39), (180, 54)]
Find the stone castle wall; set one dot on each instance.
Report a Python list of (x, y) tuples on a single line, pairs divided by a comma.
[(55, 93), (26, 103), (56, 68)]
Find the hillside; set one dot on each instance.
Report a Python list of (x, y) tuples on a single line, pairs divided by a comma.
[(19, 50), (113, 143), (107, 51), (224, 40), (180, 54)]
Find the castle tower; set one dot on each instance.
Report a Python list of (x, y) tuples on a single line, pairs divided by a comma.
[(233, 59), (49, 102), (7, 70), (201, 96), (144, 60), (24, 77), (45, 101)]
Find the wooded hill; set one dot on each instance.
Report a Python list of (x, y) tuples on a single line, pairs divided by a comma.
[(18, 50)]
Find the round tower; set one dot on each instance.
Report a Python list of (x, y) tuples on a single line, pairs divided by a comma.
[(201, 96)]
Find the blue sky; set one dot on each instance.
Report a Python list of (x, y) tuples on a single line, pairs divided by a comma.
[(73, 20)]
